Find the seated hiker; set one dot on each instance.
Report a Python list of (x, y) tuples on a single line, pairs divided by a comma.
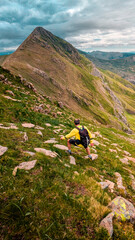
[(82, 137)]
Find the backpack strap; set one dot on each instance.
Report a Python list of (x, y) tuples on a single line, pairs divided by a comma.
[(79, 128)]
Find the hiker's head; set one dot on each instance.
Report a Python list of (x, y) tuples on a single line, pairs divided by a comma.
[(76, 121)]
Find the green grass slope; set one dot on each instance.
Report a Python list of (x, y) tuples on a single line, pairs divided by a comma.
[(55, 199)]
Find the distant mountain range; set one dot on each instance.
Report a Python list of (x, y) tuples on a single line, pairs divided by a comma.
[(110, 55), (124, 65)]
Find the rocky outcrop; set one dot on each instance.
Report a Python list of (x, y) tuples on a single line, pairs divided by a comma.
[(25, 165), (118, 107), (119, 181), (133, 181), (27, 84), (12, 99), (62, 147), (107, 223), (72, 160), (122, 209), (28, 125), (3, 150), (46, 152)]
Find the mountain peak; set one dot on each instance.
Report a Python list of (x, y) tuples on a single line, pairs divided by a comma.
[(44, 38), (41, 31)]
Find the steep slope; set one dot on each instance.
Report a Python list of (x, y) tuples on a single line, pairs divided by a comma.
[(2, 58), (57, 69), (58, 198), (125, 66)]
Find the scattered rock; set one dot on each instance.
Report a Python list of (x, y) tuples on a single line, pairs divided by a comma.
[(110, 185), (2, 77), (30, 153), (39, 128), (46, 152), (60, 104), (127, 153), (98, 134), (107, 223), (40, 133), (76, 173), (104, 185), (96, 142), (106, 139), (57, 131), (131, 159), (102, 144), (25, 165), (25, 137), (59, 113), (94, 156), (114, 144), (72, 160), (3, 150), (113, 150), (124, 160), (12, 126), (28, 125), (93, 135), (61, 125), (62, 147), (133, 181), (119, 181), (51, 141), (8, 97), (54, 114), (66, 165), (118, 149), (10, 92), (94, 150), (48, 124)]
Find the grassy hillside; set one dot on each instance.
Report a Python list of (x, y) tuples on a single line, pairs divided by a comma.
[(55, 199), (56, 69)]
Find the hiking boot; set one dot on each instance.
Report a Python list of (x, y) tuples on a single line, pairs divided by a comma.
[(69, 151), (89, 156)]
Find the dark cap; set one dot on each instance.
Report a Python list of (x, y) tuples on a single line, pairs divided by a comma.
[(77, 121)]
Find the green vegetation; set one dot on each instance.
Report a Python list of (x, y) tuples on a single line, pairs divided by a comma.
[(51, 201)]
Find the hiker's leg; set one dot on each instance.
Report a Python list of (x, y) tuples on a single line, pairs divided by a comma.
[(88, 150), (69, 144)]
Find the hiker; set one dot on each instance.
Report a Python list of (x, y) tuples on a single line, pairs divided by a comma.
[(82, 137)]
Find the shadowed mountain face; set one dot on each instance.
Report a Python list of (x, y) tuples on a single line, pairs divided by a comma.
[(119, 63), (57, 69)]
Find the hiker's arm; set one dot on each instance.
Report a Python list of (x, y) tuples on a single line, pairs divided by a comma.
[(71, 134)]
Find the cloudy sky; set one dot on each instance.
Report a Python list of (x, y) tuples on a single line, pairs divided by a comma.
[(106, 25)]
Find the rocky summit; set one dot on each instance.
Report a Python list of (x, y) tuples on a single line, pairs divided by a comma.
[(47, 193)]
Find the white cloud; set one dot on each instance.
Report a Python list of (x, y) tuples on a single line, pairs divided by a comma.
[(87, 24)]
